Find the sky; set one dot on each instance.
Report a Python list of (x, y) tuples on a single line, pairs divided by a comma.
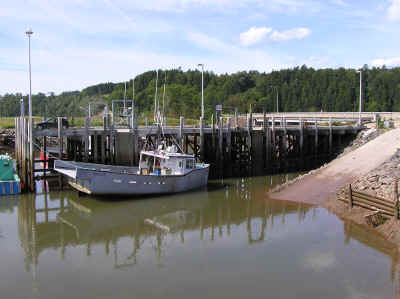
[(78, 43)]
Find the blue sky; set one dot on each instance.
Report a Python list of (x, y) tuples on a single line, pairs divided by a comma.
[(77, 43)]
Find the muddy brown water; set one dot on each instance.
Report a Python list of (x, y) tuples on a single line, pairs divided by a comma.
[(229, 240)]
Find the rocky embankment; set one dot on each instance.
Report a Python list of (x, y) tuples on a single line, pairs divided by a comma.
[(378, 182)]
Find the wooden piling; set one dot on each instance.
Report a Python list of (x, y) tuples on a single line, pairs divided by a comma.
[(301, 141), (220, 138), (86, 140), (249, 132), (284, 141), (25, 153), (45, 155), (236, 120), (202, 145), (196, 147), (181, 124), (16, 145), (316, 137), (31, 157), (60, 137), (103, 147), (213, 133), (273, 156), (229, 139), (266, 138), (186, 143)]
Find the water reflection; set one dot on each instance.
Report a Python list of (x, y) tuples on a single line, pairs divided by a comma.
[(60, 220), (372, 239), (231, 219)]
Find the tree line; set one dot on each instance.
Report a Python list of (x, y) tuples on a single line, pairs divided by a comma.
[(298, 89)]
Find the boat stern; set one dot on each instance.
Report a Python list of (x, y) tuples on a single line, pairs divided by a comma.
[(65, 168)]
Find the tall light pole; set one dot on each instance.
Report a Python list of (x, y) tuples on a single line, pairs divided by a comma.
[(29, 32), (359, 117), (202, 89), (277, 97)]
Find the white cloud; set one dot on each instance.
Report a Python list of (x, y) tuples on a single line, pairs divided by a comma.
[(394, 61), (317, 61), (394, 10), (179, 6), (208, 42), (320, 261), (231, 58), (295, 33), (254, 35), (340, 2)]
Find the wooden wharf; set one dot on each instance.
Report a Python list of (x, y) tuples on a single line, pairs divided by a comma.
[(226, 141)]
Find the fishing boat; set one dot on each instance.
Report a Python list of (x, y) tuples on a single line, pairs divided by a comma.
[(160, 171)]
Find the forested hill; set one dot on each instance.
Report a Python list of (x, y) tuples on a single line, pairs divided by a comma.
[(300, 89)]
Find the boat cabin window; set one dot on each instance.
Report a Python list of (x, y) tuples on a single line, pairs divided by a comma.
[(180, 164), (189, 163)]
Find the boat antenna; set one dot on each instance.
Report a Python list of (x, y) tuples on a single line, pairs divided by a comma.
[(155, 100), (133, 98)]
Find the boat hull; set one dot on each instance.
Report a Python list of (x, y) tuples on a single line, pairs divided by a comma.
[(126, 181)]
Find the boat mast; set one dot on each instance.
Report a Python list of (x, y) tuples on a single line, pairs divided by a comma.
[(133, 100), (163, 99), (155, 100)]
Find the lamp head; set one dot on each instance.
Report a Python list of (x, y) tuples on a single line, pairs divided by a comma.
[(29, 31)]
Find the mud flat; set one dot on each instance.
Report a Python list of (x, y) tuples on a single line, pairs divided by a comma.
[(320, 185)]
